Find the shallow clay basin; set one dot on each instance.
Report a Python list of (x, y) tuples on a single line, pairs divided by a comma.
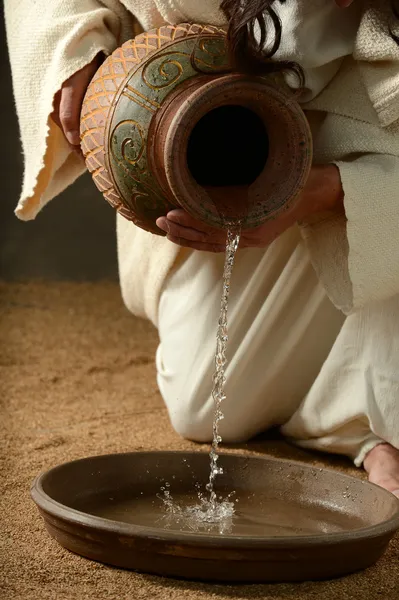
[(292, 523)]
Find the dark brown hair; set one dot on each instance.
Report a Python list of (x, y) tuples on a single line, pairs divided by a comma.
[(251, 51)]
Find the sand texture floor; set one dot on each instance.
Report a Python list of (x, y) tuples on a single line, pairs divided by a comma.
[(77, 378)]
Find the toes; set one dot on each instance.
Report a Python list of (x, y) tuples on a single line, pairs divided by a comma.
[(382, 465), (387, 482)]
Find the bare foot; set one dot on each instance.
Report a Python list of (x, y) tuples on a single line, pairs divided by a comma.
[(382, 466)]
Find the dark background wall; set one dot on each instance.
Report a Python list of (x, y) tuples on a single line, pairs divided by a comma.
[(72, 238)]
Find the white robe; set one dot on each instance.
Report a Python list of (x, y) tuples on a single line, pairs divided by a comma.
[(361, 105), (352, 70)]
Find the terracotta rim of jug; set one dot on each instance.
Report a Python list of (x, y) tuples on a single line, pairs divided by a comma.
[(290, 146)]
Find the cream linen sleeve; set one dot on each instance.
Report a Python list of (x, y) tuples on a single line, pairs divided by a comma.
[(49, 41), (371, 187), (357, 258)]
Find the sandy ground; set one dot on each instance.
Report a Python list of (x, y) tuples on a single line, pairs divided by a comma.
[(77, 379)]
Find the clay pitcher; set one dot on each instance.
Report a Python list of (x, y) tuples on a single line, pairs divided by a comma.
[(165, 123)]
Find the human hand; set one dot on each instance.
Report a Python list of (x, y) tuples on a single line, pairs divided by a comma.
[(68, 102), (323, 193)]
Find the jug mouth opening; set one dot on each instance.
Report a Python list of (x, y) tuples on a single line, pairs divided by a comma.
[(228, 147), (231, 148)]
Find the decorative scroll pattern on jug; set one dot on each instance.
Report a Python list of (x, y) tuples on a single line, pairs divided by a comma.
[(113, 134)]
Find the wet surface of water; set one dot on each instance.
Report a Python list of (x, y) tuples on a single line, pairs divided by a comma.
[(254, 515)]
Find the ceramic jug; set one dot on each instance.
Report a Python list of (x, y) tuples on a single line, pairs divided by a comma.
[(165, 123)]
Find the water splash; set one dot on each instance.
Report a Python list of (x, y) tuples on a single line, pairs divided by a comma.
[(201, 517), (219, 377), (212, 513)]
